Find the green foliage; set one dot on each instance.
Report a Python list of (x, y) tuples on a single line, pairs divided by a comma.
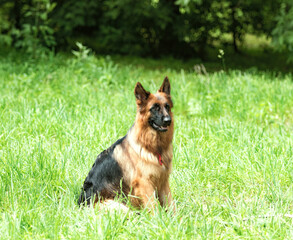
[(5, 25), (82, 52), (73, 18), (222, 58), (136, 27), (182, 28), (232, 173), (31, 28), (283, 31)]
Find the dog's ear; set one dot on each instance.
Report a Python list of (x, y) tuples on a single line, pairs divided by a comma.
[(140, 93), (166, 87)]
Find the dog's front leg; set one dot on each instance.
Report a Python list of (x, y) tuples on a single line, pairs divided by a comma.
[(165, 196), (146, 193)]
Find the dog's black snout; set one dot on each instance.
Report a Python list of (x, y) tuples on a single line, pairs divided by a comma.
[(167, 121)]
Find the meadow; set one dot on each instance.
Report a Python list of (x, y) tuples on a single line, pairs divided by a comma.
[(232, 167)]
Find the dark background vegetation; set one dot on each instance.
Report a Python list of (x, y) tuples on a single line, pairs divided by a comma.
[(153, 28)]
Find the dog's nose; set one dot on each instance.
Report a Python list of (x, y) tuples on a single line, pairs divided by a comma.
[(167, 120)]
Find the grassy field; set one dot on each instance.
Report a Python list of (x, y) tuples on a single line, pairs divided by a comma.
[(233, 147)]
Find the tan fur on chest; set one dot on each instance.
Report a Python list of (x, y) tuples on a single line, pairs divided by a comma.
[(141, 169), (137, 162)]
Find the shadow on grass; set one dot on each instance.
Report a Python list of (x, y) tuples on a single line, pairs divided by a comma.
[(257, 59), (248, 59)]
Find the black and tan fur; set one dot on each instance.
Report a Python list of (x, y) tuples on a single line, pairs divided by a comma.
[(131, 165)]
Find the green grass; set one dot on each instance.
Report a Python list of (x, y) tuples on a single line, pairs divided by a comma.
[(232, 172)]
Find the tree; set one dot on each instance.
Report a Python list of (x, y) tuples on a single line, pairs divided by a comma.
[(283, 31)]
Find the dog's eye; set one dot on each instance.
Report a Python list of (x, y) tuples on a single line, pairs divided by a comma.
[(156, 107), (167, 106)]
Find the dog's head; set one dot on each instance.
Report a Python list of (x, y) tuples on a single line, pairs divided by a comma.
[(155, 109)]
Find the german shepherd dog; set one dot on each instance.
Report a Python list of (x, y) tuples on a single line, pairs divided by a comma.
[(139, 164)]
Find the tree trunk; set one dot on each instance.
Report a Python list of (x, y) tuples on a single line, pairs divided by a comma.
[(16, 15), (234, 30)]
